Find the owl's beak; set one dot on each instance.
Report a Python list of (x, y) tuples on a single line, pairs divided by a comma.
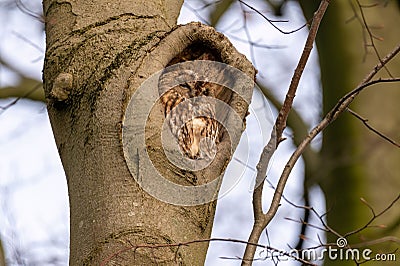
[(197, 125), (195, 148)]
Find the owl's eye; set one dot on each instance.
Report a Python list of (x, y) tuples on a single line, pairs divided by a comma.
[(186, 85)]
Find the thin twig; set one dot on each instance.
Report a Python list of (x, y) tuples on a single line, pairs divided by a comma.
[(197, 13), (255, 43), (382, 63), (365, 122), (384, 239), (16, 100), (366, 28), (28, 12), (28, 41), (248, 36), (272, 21), (132, 247), (374, 216)]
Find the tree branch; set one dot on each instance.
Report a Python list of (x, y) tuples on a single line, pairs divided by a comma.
[(260, 219), (365, 122), (272, 22), (329, 118)]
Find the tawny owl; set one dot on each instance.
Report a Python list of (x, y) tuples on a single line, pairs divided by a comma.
[(189, 106)]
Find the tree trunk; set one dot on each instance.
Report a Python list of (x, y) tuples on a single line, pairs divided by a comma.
[(98, 55)]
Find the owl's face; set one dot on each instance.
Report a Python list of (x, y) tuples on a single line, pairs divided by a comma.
[(195, 140)]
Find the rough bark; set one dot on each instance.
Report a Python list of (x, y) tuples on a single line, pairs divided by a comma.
[(98, 54)]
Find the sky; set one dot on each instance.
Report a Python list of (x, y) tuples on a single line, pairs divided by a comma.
[(33, 191)]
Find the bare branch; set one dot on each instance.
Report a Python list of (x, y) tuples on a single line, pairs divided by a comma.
[(381, 64), (377, 241), (29, 12), (261, 220), (374, 216), (246, 30), (365, 122), (254, 43), (329, 118), (367, 29), (197, 13), (287, 104), (327, 229), (271, 21), (32, 44), (370, 34), (16, 100)]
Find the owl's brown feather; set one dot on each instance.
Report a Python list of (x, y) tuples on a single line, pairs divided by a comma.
[(193, 123)]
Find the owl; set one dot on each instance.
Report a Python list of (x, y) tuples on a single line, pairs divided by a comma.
[(189, 107)]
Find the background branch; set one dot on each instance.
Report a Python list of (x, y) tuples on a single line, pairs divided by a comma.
[(261, 220), (365, 122)]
